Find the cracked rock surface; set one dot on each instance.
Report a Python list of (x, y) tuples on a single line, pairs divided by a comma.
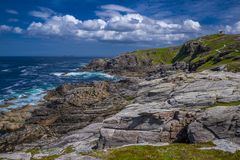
[(180, 107)]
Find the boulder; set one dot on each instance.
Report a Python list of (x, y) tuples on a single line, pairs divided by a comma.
[(222, 122)]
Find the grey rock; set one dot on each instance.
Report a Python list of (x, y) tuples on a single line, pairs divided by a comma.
[(224, 145), (197, 134), (16, 156), (145, 123), (220, 122), (82, 140)]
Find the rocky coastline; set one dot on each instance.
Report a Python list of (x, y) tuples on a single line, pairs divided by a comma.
[(151, 104)]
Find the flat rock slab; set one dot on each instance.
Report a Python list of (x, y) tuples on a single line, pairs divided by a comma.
[(225, 145), (16, 156)]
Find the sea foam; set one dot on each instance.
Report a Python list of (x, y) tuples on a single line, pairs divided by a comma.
[(84, 74)]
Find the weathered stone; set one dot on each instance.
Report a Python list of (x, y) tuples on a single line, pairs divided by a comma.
[(217, 122), (15, 156), (197, 134)]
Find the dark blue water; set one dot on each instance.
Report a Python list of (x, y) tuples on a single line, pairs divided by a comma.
[(25, 80)]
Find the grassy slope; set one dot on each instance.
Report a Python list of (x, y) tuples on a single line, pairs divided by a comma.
[(219, 44), (157, 55), (225, 48), (171, 152)]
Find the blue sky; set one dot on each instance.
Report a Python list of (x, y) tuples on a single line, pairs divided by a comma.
[(108, 27)]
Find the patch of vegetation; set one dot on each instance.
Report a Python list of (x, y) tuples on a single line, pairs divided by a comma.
[(51, 157), (170, 152), (234, 66), (234, 103), (33, 151), (157, 55), (129, 98), (68, 150)]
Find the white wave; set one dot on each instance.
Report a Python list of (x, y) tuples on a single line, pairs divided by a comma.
[(20, 67), (32, 97), (24, 70), (6, 70), (58, 74), (84, 74)]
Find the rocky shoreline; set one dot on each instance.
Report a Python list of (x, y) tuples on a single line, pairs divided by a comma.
[(152, 104)]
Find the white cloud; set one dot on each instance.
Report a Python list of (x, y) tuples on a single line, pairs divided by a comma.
[(121, 27), (97, 24), (6, 28), (11, 11), (115, 7), (43, 13), (17, 30), (237, 27), (112, 10), (192, 25), (234, 29)]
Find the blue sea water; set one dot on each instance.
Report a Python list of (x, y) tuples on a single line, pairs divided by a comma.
[(25, 80)]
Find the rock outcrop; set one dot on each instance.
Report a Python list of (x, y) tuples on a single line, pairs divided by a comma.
[(169, 109), (68, 108), (152, 110), (126, 64), (222, 122), (145, 123)]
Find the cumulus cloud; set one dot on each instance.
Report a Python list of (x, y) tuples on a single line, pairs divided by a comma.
[(191, 25), (235, 28), (121, 27), (17, 30), (11, 11), (42, 13), (6, 28)]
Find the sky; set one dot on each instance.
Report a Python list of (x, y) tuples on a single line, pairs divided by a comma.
[(106, 28)]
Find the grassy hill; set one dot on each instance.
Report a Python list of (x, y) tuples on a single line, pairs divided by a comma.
[(202, 53), (157, 55)]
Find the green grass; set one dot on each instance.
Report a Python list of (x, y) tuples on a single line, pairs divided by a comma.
[(234, 66), (129, 98), (223, 50), (51, 157), (33, 151), (157, 55), (68, 150), (171, 152), (234, 103)]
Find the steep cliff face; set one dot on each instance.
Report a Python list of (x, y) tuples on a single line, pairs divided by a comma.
[(217, 52), (138, 63)]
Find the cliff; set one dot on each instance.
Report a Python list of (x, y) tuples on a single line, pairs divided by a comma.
[(217, 52)]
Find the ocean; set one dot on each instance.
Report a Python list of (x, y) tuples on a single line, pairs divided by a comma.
[(25, 80)]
